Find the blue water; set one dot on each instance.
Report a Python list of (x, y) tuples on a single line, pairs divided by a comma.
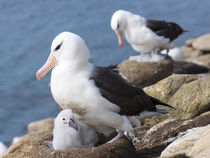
[(27, 28)]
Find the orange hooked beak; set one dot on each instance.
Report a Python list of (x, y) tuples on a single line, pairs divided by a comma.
[(120, 38), (50, 63)]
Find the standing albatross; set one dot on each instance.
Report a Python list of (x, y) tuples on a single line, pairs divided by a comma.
[(144, 35), (98, 96)]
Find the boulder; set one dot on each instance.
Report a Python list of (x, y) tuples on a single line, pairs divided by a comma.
[(153, 141), (121, 148), (189, 42), (21, 149), (189, 68), (166, 88), (190, 52), (146, 73), (202, 147), (203, 60), (192, 98), (45, 125), (202, 43), (185, 143), (198, 50), (189, 94)]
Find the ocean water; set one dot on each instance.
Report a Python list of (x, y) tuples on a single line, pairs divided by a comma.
[(27, 28)]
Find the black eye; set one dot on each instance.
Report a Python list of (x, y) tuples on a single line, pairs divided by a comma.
[(58, 47), (118, 25), (64, 119)]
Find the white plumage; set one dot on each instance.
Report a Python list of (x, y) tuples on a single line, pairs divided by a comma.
[(147, 57), (3, 148), (72, 89), (68, 133), (141, 38), (176, 54)]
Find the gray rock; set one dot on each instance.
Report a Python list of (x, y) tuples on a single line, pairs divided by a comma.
[(153, 141), (201, 147), (189, 42), (190, 52), (185, 143), (192, 98), (202, 43), (189, 68), (196, 56), (40, 126), (189, 94), (203, 60), (166, 88)]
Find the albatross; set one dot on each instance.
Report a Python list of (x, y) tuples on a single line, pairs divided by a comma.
[(144, 35), (98, 96)]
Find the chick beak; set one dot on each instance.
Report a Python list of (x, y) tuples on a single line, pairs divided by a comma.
[(73, 125)]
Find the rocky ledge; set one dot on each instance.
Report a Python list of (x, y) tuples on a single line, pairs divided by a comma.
[(181, 133), (197, 50), (189, 94)]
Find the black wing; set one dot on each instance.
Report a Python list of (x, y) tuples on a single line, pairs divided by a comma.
[(169, 30), (114, 88)]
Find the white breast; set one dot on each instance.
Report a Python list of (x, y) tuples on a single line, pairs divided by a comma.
[(75, 87), (141, 38)]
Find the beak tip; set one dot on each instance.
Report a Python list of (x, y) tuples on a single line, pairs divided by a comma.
[(38, 76), (121, 44)]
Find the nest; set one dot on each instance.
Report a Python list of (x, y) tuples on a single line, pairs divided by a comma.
[(122, 148)]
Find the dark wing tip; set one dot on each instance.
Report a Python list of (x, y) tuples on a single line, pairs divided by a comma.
[(156, 101), (114, 67)]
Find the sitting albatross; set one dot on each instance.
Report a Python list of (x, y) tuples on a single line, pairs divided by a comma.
[(144, 35), (98, 96)]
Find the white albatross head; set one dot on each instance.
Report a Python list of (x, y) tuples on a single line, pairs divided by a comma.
[(119, 24), (66, 47), (65, 119)]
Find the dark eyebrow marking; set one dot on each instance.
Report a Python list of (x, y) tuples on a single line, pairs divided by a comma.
[(118, 25), (58, 47)]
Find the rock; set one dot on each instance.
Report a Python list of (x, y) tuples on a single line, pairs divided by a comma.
[(45, 125), (121, 148), (203, 60), (202, 43), (192, 98), (184, 144), (189, 42), (189, 52), (21, 149), (189, 68), (199, 52), (202, 147), (189, 94), (166, 88), (147, 73), (153, 141)]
